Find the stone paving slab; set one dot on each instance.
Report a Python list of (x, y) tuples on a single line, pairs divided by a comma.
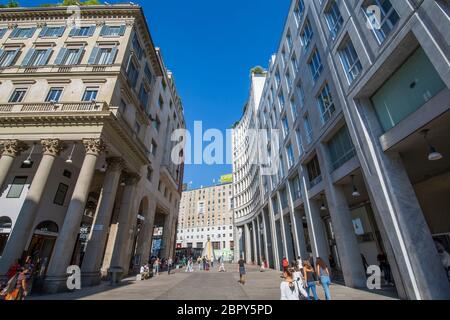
[(205, 285)]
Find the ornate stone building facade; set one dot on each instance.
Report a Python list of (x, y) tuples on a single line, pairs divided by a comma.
[(86, 115), (362, 105)]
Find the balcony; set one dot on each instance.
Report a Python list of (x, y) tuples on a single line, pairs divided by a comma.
[(49, 107)]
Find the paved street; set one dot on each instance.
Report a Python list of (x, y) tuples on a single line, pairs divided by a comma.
[(202, 285)]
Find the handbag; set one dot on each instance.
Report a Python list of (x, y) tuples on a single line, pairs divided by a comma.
[(300, 296)]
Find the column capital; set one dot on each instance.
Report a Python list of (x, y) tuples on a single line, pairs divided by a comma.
[(131, 178), (13, 147), (93, 146), (115, 164), (52, 147)]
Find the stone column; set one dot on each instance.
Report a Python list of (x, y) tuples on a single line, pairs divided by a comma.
[(63, 251), (297, 227), (145, 241), (273, 237), (124, 224), (258, 235), (347, 244), (167, 236), (255, 243), (11, 149), (22, 228), (237, 244), (315, 225), (247, 249), (97, 239)]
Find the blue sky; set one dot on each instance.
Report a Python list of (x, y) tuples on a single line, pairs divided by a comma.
[(211, 46)]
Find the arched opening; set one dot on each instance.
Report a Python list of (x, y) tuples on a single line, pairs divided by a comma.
[(158, 234), (40, 250), (5, 230)]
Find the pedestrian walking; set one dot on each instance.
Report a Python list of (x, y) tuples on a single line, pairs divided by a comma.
[(199, 263), (291, 289), (156, 266), (385, 268), (17, 288), (323, 272), (169, 265), (310, 280), (285, 263), (242, 271)]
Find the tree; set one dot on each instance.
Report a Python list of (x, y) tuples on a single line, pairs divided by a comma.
[(10, 4), (258, 70)]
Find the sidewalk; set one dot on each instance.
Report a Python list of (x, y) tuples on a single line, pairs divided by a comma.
[(205, 285)]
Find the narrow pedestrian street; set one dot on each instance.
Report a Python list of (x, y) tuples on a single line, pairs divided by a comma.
[(203, 285)]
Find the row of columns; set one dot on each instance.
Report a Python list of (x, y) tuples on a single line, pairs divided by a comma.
[(116, 253), (346, 241)]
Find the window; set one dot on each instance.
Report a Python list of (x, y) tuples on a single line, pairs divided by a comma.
[(148, 74), (314, 174), (315, 65), (326, 104), (52, 32), (389, 18), (69, 56), (300, 95), (153, 148), (87, 31), (8, 57), (103, 56), (161, 102), (295, 65), (54, 95), (299, 142), (285, 126), (412, 85), (334, 19), (290, 155), (296, 188), (22, 33), (137, 47), (308, 129), (299, 10), (132, 74), (90, 94), (306, 34), (3, 32), (277, 79), (60, 195), (340, 148), (350, 61), (281, 101), (156, 123), (149, 173), (17, 95), (143, 95), (113, 31), (17, 186), (37, 57), (289, 40)]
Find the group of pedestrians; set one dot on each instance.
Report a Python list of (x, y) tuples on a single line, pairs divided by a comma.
[(156, 265), (20, 278), (300, 280)]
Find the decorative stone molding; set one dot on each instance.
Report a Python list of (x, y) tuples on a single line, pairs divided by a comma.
[(115, 164), (131, 178), (93, 146), (52, 147), (12, 148)]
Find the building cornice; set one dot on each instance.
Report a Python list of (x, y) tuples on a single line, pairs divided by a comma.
[(13, 16)]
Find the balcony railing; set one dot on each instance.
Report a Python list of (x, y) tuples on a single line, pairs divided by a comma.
[(53, 107)]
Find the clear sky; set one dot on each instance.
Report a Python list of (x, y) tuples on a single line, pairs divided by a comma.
[(210, 46)]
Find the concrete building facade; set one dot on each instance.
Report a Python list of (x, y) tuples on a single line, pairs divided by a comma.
[(207, 213), (86, 116), (360, 92)]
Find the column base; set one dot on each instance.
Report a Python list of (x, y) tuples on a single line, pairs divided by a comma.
[(90, 279), (55, 284)]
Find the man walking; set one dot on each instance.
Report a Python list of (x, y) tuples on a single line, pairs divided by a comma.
[(169, 265)]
